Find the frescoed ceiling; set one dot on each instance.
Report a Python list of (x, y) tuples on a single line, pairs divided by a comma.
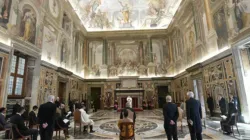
[(109, 15)]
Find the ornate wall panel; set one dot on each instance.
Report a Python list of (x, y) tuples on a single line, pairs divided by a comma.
[(181, 87), (222, 80), (4, 58), (48, 84)]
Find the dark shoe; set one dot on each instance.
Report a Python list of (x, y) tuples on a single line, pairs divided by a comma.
[(92, 131)]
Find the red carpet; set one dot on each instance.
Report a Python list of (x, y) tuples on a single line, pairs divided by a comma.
[(135, 109)]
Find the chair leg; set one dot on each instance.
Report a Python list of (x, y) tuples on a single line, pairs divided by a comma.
[(59, 134), (80, 128), (233, 130), (237, 129), (181, 128), (74, 129)]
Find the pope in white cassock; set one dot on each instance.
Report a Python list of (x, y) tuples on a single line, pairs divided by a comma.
[(86, 120)]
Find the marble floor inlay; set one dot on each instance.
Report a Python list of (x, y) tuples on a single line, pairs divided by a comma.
[(149, 126)]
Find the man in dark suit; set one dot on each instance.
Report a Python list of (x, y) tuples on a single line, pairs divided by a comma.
[(131, 112), (210, 104), (46, 116), (230, 119), (18, 120), (171, 114), (194, 116), (223, 105), (57, 102), (15, 107), (32, 117), (3, 123)]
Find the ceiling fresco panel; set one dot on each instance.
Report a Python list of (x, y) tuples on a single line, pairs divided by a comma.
[(109, 15)]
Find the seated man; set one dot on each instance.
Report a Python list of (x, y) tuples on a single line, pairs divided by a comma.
[(125, 119), (33, 117), (131, 112), (19, 122), (85, 119), (3, 123), (225, 122), (61, 120)]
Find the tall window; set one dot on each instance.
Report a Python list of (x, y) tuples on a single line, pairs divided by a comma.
[(17, 77)]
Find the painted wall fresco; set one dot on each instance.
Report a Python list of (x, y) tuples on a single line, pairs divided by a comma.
[(28, 25), (4, 58), (126, 14), (220, 24), (113, 56), (49, 44), (241, 13), (181, 86), (5, 6)]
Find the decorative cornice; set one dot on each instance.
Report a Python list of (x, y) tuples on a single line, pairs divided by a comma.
[(127, 33), (162, 78), (194, 67), (64, 71), (48, 65), (26, 47)]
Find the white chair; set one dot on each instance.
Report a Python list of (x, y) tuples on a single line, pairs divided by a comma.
[(180, 118)]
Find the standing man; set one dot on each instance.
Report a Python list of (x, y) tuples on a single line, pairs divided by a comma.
[(15, 107), (210, 103), (46, 115), (33, 117), (223, 105), (57, 102), (170, 113), (194, 116)]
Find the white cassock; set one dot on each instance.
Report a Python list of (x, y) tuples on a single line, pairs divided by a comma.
[(85, 117)]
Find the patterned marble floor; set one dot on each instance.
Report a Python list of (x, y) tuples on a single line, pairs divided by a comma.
[(244, 129), (149, 126)]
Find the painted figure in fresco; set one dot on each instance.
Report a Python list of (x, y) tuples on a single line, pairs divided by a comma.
[(4, 9), (242, 13), (125, 12), (192, 45), (108, 99), (94, 6), (155, 11), (54, 5), (221, 28), (28, 26), (63, 52)]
